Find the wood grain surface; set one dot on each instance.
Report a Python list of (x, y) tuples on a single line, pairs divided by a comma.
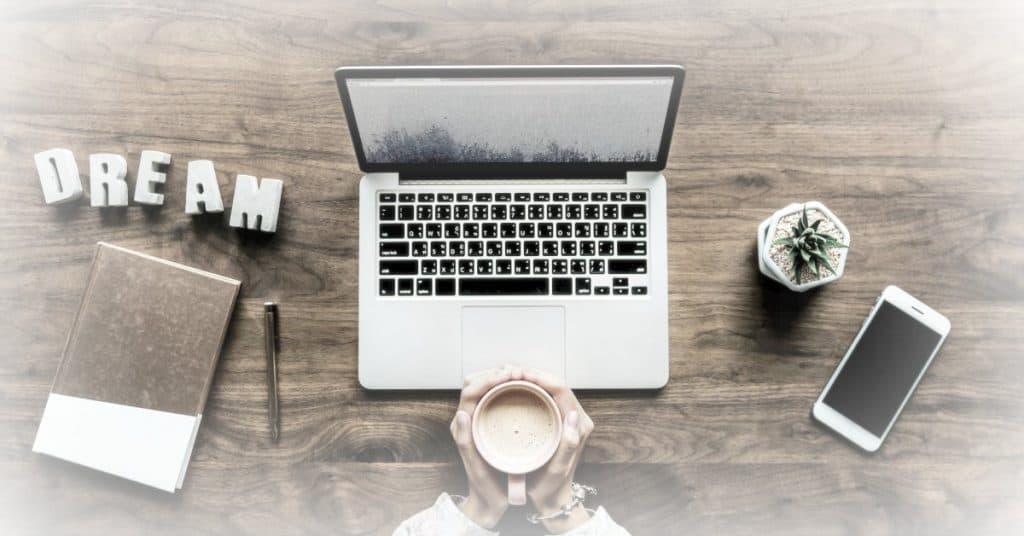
[(905, 117)]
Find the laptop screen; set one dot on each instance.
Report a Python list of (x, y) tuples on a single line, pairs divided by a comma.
[(508, 121)]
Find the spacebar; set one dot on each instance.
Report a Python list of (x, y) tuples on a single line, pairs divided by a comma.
[(503, 286)]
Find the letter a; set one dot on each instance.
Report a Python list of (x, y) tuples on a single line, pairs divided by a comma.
[(201, 187)]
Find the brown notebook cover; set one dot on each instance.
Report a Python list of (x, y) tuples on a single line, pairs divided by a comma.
[(147, 335)]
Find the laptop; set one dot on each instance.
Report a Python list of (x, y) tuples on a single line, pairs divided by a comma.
[(512, 215)]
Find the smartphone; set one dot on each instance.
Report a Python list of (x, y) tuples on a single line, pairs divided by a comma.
[(881, 369)]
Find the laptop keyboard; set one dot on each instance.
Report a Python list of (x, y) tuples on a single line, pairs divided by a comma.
[(536, 243)]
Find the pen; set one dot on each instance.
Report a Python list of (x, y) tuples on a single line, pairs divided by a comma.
[(270, 347)]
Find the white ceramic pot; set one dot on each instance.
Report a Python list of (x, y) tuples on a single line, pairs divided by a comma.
[(771, 270)]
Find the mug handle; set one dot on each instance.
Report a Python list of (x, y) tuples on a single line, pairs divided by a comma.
[(517, 490)]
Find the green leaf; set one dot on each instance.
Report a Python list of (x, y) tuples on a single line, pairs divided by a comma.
[(814, 268), (805, 255), (829, 266), (803, 218), (785, 242), (816, 224)]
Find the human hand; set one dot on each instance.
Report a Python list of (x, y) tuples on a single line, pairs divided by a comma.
[(487, 499), (550, 486)]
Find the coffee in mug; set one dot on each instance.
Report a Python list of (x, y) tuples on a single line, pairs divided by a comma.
[(517, 428)]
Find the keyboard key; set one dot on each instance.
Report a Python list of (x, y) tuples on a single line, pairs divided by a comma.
[(394, 249), (426, 198), (483, 198), (619, 196), (452, 230), (588, 248), (392, 230), (406, 212), (639, 291), (388, 198), (461, 212), (578, 266), (545, 230), (493, 248), (602, 229), (499, 212), (559, 266), (508, 230), (466, 267), (419, 249), (503, 267), (580, 196), (527, 230), (428, 267), (446, 267), (638, 229), (561, 285), (554, 212), (443, 212), (522, 196), (522, 267), (549, 248), (638, 196), (387, 287), (535, 212), (444, 287), (568, 248), (433, 230), (540, 266), (634, 212), (517, 212), (531, 248), (542, 197), (597, 266), (563, 230), (620, 230), (582, 229), (601, 291), (464, 197), (407, 198), (503, 286), (573, 212), (387, 213), (631, 248), (513, 248), (627, 266), (503, 197), (479, 212), (610, 212), (620, 282), (591, 212), (424, 287), (438, 248), (489, 230), (561, 196), (424, 212), (475, 248), (398, 267), (583, 285), (606, 248), (445, 198), (405, 287), (599, 196), (484, 267), (414, 230), (456, 248), (471, 230), (620, 291)]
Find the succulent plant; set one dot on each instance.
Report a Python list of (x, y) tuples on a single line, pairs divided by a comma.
[(809, 247)]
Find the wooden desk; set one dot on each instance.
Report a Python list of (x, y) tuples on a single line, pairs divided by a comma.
[(908, 121)]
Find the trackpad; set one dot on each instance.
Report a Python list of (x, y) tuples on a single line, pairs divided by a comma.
[(530, 337)]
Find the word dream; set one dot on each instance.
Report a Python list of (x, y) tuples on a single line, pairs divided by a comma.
[(255, 204)]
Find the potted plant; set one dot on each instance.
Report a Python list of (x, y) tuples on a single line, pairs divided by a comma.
[(802, 246)]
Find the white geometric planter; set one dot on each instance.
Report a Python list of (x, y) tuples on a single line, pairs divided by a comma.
[(770, 269)]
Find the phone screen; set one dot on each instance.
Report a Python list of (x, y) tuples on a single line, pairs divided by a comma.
[(882, 368)]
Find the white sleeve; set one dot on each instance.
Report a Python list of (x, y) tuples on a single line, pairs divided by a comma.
[(600, 524), (444, 517)]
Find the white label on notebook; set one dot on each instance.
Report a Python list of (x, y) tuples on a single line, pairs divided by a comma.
[(147, 446)]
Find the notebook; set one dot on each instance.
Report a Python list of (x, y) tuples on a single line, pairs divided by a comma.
[(137, 367)]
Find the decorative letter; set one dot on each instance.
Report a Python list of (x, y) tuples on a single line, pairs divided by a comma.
[(255, 205), (107, 187), (58, 175), (201, 187), (148, 176)]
